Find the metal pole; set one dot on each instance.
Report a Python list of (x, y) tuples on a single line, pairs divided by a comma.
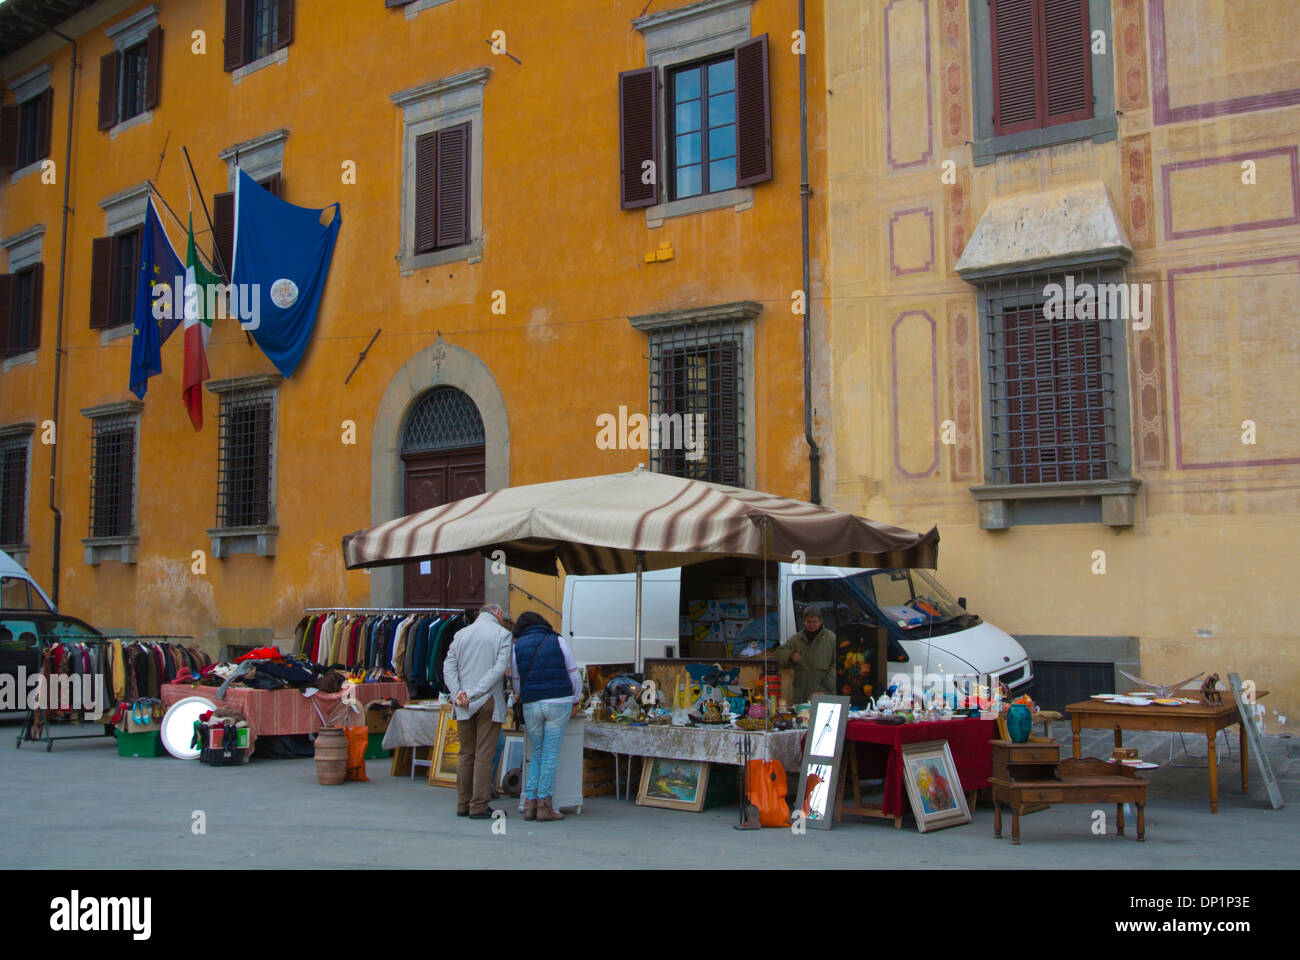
[(639, 664)]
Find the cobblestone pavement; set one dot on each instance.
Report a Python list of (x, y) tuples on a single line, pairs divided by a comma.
[(82, 806)]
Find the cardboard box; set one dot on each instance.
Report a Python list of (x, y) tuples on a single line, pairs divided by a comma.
[(378, 719), (148, 727), (708, 631), (710, 649), (703, 610), (731, 629), (684, 627), (734, 609), (216, 734)]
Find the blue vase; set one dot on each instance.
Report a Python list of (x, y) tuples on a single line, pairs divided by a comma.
[(1020, 722)]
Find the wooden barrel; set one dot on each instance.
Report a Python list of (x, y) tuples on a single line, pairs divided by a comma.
[(331, 755)]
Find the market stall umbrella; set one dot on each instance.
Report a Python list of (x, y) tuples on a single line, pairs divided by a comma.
[(625, 522)]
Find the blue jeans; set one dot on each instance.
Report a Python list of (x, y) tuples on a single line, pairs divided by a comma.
[(545, 723)]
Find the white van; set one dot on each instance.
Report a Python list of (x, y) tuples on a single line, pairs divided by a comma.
[(18, 591), (938, 636)]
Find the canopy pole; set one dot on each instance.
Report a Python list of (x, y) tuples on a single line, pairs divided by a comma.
[(640, 568)]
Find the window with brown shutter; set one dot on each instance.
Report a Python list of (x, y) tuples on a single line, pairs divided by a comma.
[(638, 124), (223, 233), (442, 185), (6, 310), (101, 282), (9, 126), (24, 311), (110, 72), (1042, 63), (47, 124), (153, 68), (753, 114), (256, 29), (234, 41)]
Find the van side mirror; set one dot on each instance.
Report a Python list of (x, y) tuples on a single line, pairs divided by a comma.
[(961, 602)]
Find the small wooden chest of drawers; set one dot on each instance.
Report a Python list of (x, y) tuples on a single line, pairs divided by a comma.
[(1025, 761)]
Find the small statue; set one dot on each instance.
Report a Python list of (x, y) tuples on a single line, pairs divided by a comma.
[(1208, 693)]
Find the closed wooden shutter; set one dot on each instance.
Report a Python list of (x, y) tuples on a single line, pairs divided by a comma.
[(234, 57), (426, 175), (284, 24), (110, 70), (6, 311), (9, 137), (753, 114), (223, 233), (101, 282), (153, 68), (1015, 66), (47, 122), (638, 135), (453, 186), (34, 321), (724, 453), (1068, 61)]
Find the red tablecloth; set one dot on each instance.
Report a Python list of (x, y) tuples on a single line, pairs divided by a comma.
[(279, 712), (969, 741)]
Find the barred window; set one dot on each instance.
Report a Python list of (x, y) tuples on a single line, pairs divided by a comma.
[(245, 443), (1050, 381), (263, 28), (13, 490), (135, 68), (112, 477), (444, 419), (697, 401)]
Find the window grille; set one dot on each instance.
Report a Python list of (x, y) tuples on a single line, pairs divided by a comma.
[(697, 370), (1050, 383), (112, 477), (22, 330), (443, 419), (13, 491), (244, 445)]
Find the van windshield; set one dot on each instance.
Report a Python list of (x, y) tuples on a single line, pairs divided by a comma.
[(910, 599)]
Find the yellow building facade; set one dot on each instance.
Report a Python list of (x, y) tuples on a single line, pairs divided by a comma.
[(556, 284), (1117, 492)]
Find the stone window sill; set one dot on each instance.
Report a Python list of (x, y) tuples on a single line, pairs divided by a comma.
[(20, 360), (139, 118), (413, 10), (21, 172), (1098, 129), (228, 541), (471, 252), (104, 549), (270, 60), (741, 198), (1118, 499), (115, 333)]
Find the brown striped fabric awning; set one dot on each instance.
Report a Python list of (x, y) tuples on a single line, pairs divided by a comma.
[(597, 524)]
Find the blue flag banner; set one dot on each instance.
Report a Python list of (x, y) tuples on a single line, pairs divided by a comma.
[(159, 266), (282, 257)]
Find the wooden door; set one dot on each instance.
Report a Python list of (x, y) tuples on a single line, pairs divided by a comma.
[(433, 479)]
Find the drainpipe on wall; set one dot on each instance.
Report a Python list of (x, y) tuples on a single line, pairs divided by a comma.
[(58, 339), (805, 191)]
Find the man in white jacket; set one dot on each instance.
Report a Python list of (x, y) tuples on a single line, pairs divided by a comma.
[(477, 659)]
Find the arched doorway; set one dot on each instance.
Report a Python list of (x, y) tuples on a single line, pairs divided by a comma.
[(444, 456)]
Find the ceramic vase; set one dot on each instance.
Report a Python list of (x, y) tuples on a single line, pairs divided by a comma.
[(1020, 722)]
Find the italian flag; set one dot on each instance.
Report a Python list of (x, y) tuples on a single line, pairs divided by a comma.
[(198, 328)]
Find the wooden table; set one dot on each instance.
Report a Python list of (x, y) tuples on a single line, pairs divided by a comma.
[(1076, 781), (1207, 719)]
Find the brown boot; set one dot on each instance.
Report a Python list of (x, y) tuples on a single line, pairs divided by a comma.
[(547, 812), (530, 809)]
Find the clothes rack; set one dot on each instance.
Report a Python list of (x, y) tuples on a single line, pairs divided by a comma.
[(372, 637), (30, 725)]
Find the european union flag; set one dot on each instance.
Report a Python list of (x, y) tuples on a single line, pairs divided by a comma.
[(158, 265), (282, 257)]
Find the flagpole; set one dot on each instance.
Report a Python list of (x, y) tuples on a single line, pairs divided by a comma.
[(216, 247)]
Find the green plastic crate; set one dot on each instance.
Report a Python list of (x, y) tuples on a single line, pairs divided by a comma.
[(147, 744), (375, 748)]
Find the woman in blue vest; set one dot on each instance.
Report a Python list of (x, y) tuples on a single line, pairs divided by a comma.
[(547, 683)]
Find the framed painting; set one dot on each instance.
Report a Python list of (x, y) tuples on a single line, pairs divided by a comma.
[(933, 786), (512, 756), (446, 755), (675, 784), (823, 750)]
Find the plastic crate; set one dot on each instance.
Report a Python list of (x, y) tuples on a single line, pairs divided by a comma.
[(148, 744), (375, 748)]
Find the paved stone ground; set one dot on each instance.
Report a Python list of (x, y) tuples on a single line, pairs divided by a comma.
[(83, 807)]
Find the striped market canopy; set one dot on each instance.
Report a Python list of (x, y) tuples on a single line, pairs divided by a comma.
[(596, 525)]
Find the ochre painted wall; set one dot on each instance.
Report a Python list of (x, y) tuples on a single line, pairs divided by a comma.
[(1206, 577), (568, 259)]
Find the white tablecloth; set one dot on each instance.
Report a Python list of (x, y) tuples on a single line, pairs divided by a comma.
[(693, 743), (412, 728)]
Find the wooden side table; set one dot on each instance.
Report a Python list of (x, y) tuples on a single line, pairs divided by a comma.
[(1078, 781)]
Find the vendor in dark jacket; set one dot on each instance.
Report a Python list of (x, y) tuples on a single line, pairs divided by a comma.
[(812, 653)]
